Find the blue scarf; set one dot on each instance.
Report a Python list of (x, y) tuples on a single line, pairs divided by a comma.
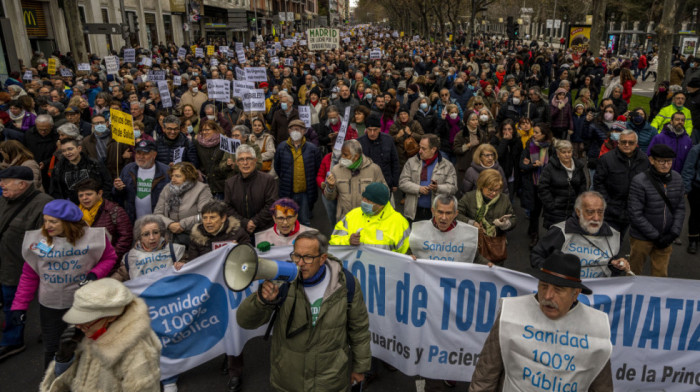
[(316, 279)]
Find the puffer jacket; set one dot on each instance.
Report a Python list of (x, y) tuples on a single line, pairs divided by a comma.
[(473, 173), (557, 192), (427, 120), (125, 358), (201, 241), (30, 218), (351, 184), (444, 175), (316, 359), (166, 149), (189, 212), (383, 153), (649, 215), (210, 159), (645, 132), (67, 175), (284, 167), (250, 198), (117, 223), (612, 179), (691, 169), (680, 144)]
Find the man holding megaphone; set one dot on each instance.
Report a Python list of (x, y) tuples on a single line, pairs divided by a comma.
[(318, 324)]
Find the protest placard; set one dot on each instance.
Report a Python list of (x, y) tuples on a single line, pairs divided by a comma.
[(177, 80), (322, 38), (228, 144), (51, 70), (156, 75), (84, 67), (199, 52), (241, 56), (112, 65), (288, 43), (343, 130), (181, 53), (146, 61), (241, 86), (65, 72), (305, 115), (129, 55), (213, 62), (240, 74), (256, 74), (164, 94), (375, 54), (219, 90), (28, 75), (122, 126), (289, 62), (210, 50), (177, 154), (254, 100)]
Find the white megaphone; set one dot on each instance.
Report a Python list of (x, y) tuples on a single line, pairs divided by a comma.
[(243, 266)]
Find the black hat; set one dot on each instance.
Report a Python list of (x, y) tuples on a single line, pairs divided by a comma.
[(404, 108), (373, 121), (58, 106), (72, 109), (562, 269), (145, 146), (661, 151), (18, 172), (694, 83)]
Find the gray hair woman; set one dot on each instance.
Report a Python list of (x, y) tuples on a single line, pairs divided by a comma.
[(151, 250), (562, 180)]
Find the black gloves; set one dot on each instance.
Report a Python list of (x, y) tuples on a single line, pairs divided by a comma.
[(69, 342), (88, 278), (18, 317), (664, 240)]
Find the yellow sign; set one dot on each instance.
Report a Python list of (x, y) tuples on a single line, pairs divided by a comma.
[(401, 34), (51, 70), (450, 38), (210, 50), (193, 48), (579, 36), (29, 17), (122, 126)]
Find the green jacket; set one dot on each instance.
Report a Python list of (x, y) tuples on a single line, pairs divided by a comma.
[(317, 358)]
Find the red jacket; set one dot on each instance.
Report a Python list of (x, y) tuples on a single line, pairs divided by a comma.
[(116, 222), (323, 170), (642, 64), (627, 90)]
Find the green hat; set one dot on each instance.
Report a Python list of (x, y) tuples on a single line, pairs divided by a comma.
[(377, 192)]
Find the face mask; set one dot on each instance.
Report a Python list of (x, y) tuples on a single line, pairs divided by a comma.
[(345, 162), (295, 135), (137, 133), (516, 101), (483, 118), (190, 129), (692, 65), (367, 208), (195, 90), (608, 116), (333, 120), (195, 73), (100, 128), (615, 136), (334, 96), (423, 106), (369, 96), (662, 89), (637, 119), (454, 116), (284, 89), (211, 117), (231, 105), (283, 105)]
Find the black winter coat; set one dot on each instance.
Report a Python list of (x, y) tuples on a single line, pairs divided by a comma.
[(383, 152), (509, 152), (649, 215), (612, 179), (66, 176), (166, 149), (557, 192), (428, 121), (541, 112)]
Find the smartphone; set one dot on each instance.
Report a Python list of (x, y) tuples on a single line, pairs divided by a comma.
[(358, 387)]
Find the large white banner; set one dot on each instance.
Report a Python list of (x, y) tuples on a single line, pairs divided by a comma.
[(431, 317), (322, 38)]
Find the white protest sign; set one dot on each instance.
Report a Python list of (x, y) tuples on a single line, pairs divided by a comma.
[(65, 72), (223, 49), (28, 75), (346, 40), (84, 67), (251, 45), (241, 56), (228, 144), (130, 55), (343, 130), (322, 38), (213, 62), (289, 62), (158, 60), (302, 42), (164, 94), (375, 54), (278, 46), (241, 86), (177, 154), (305, 115), (238, 46), (240, 74), (288, 43), (146, 61), (112, 65), (199, 52), (156, 75), (275, 61), (219, 90), (181, 53), (177, 80), (271, 52), (254, 100), (256, 74)]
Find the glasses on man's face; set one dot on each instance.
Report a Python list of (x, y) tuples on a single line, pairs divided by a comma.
[(172, 128), (664, 162), (306, 259), (245, 159)]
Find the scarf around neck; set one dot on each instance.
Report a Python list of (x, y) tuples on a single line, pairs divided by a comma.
[(211, 141), (175, 197), (482, 209), (426, 164), (89, 215)]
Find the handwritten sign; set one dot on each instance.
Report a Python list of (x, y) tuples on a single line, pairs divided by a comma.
[(112, 65), (305, 115), (256, 74), (122, 126), (51, 70), (130, 55), (219, 90), (254, 100)]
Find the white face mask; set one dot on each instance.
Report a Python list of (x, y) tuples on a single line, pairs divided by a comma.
[(195, 90), (453, 116), (295, 135), (231, 105), (516, 101), (211, 117), (345, 162), (333, 120), (483, 118)]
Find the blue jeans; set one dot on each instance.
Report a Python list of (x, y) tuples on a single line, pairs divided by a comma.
[(12, 335), (331, 209), (304, 209)]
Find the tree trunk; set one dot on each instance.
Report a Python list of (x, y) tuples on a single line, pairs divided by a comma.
[(598, 26), (664, 31), (76, 40)]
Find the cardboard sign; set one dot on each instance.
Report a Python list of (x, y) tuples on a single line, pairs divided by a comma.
[(112, 65), (256, 74), (51, 70), (130, 55), (84, 67), (240, 87), (305, 115), (322, 38), (199, 52), (156, 75), (122, 126), (181, 53), (66, 73), (210, 50), (254, 100), (228, 144), (219, 90), (164, 94), (177, 80)]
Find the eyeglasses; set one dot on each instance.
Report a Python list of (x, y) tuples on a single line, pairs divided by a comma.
[(172, 128), (488, 155), (246, 159), (478, 104), (307, 259), (289, 218), (154, 233), (627, 142), (663, 161)]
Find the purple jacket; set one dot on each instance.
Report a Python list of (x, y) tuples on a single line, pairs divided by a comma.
[(680, 144)]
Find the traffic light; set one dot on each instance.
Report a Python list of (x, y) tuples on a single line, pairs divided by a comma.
[(516, 30), (510, 27)]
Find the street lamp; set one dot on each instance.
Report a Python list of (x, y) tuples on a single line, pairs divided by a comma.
[(695, 18)]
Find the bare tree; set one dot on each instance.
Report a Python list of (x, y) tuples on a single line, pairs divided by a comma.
[(477, 6), (598, 26), (665, 30)]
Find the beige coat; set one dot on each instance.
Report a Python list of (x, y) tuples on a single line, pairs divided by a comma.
[(125, 358), (192, 203), (196, 101), (444, 174), (348, 188)]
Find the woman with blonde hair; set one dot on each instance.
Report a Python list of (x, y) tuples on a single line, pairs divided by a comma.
[(15, 153), (485, 157)]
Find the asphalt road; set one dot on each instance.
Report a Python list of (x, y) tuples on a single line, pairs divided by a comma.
[(24, 371)]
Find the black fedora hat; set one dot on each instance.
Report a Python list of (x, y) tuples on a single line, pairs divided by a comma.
[(562, 269)]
